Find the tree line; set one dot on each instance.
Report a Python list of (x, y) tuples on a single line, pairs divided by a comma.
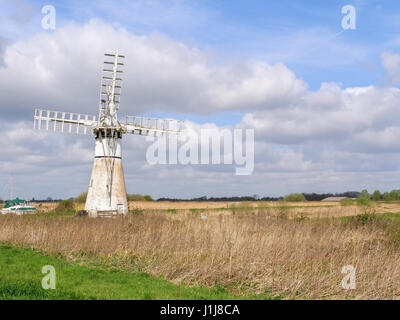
[(377, 195)]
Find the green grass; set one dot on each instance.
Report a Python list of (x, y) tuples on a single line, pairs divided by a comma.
[(53, 214), (20, 278), (394, 216)]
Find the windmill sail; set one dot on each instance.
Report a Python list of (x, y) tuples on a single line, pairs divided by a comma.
[(110, 89), (152, 126), (63, 122)]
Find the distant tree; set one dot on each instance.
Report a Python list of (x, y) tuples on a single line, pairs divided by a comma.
[(395, 195), (321, 196), (1, 200), (203, 198), (135, 197), (376, 196), (49, 199), (365, 194), (148, 198), (317, 196), (386, 196), (350, 194), (294, 197), (81, 198)]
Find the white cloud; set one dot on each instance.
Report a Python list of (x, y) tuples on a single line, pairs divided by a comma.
[(62, 70), (305, 140), (391, 63), (330, 116)]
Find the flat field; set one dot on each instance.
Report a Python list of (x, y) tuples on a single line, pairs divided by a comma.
[(252, 250)]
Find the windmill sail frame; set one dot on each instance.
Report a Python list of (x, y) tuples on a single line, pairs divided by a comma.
[(63, 122)]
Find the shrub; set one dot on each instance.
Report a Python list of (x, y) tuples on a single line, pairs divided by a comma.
[(135, 197), (365, 194), (368, 215), (81, 198), (139, 197), (65, 205), (363, 201), (394, 195), (386, 196), (294, 197), (376, 196), (346, 202)]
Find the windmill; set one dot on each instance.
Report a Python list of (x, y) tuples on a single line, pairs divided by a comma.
[(106, 194)]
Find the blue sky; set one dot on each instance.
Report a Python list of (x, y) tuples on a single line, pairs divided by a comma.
[(321, 99)]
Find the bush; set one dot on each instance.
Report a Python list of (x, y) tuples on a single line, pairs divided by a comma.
[(376, 196), (363, 201), (135, 197), (139, 197), (365, 194), (65, 205), (394, 195), (386, 196), (366, 217), (294, 197), (81, 198), (346, 202)]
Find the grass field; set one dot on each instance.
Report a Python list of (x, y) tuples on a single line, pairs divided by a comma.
[(20, 278), (248, 250)]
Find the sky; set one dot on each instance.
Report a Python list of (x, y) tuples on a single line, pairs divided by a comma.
[(323, 101)]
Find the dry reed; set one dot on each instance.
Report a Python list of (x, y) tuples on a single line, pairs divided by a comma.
[(248, 252)]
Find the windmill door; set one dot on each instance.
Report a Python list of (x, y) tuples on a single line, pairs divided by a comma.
[(121, 208)]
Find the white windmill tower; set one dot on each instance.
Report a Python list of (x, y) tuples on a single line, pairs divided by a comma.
[(106, 194)]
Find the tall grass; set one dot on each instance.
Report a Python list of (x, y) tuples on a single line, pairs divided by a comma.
[(246, 253)]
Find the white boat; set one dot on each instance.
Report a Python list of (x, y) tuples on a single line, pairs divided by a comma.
[(18, 207)]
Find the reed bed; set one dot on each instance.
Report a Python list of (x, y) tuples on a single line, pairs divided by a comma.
[(245, 252)]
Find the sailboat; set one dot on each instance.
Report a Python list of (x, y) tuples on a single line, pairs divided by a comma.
[(16, 206)]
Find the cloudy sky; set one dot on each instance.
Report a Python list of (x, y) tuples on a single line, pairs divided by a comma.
[(324, 102)]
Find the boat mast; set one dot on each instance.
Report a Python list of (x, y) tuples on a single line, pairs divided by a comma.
[(11, 187)]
